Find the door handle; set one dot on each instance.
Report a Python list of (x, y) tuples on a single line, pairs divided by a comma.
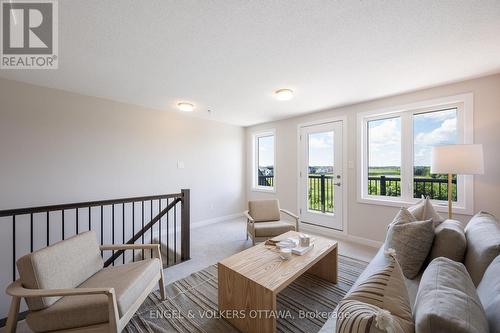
[(337, 184)]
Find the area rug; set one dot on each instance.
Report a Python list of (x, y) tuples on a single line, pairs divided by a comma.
[(191, 304)]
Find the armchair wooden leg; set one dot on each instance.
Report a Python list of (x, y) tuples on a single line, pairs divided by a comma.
[(161, 282), (161, 286), (12, 319)]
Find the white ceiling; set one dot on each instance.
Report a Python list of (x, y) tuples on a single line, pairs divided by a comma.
[(229, 56)]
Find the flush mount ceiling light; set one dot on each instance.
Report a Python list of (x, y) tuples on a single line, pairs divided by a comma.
[(284, 94), (185, 106)]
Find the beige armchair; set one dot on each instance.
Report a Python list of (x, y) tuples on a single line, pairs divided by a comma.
[(264, 220), (67, 289)]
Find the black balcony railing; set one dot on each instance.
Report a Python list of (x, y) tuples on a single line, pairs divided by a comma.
[(435, 188), (320, 193), (267, 181)]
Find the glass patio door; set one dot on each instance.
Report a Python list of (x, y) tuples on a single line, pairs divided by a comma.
[(321, 175)]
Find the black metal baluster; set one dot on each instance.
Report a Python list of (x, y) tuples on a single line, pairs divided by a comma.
[(133, 228), (102, 231), (31, 232), (142, 236), (168, 248), (76, 224), (113, 229), (62, 224), (14, 248), (175, 233), (90, 221), (159, 224), (123, 230), (152, 228)]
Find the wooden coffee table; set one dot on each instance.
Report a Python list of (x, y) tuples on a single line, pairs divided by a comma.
[(250, 280)]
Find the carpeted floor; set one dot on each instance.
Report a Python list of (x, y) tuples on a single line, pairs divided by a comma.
[(191, 304)]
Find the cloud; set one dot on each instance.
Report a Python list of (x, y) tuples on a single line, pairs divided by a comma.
[(385, 142), (388, 132), (322, 141), (444, 134)]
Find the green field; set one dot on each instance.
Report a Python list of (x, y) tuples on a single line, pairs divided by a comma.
[(436, 187)]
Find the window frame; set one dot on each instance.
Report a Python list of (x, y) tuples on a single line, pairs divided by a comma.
[(465, 190), (255, 156)]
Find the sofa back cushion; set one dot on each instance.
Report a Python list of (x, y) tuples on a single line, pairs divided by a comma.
[(264, 210), (447, 300), (449, 241), (65, 264), (483, 244), (489, 294)]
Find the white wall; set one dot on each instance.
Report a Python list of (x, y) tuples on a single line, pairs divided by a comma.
[(366, 220), (59, 147)]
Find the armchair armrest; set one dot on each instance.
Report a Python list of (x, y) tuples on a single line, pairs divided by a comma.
[(117, 247), (289, 213), (16, 289), (249, 218), (295, 217)]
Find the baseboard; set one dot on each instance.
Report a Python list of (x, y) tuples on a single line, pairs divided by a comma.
[(215, 220), (340, 235)]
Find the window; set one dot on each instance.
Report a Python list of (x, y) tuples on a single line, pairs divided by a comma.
[(264, 156), (432, 129), (395, 149), (384, 160)]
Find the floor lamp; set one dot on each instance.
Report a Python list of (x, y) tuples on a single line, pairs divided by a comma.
[(459, 160)]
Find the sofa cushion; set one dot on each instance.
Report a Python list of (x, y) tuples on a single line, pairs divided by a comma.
[(382, 296), (264, 210), (412, 242), (447, 300), (489, 294), (449, 241), (356, 316), (271, 229), (424, 210), (129, 282), (483, 244), (65, 264)]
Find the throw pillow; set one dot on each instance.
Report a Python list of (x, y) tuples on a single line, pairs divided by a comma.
[(379, 304), (449, 241), (424, 210), (483, 244), (412, 241), (447, 300), (489, 294)]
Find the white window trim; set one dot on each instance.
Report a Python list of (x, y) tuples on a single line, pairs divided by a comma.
[(465, 126), (255, 137)]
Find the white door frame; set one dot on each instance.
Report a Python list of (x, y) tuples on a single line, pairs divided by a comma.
[(344, 176)]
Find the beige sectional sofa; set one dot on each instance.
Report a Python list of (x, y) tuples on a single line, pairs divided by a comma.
[(482, 263)]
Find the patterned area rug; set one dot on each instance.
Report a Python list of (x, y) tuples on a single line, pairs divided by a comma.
[(191, 304)]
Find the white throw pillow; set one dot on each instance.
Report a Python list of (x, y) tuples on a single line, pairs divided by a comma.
[(379, 304), (424, 210)]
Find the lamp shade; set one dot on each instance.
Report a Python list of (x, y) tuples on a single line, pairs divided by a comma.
[(458, 159)]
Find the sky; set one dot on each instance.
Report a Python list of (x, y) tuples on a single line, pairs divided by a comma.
[(430, 129), (320, 149), (433, 128), (266, 155)]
